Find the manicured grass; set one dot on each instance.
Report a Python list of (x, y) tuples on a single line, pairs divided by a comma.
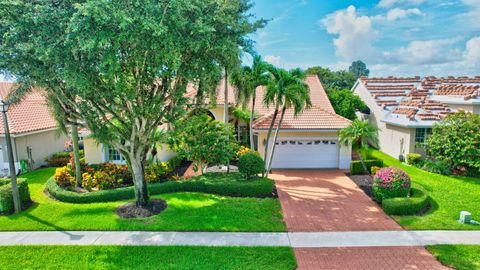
[(449, 196), (139, 257), (185, 212), (458, 256)]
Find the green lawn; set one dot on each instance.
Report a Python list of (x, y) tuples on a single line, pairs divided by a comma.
[(185, 212), (449, 194), (458, 256), (139, 257)]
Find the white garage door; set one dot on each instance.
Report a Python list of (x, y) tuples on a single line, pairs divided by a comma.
[(306, 153)]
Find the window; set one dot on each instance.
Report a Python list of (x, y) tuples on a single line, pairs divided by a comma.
[(422, 134), (114, 156)]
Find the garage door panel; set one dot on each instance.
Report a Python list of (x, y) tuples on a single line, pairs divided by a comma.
[(315, 153)]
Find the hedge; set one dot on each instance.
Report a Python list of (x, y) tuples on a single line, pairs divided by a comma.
[(231, 185), (356, 166), (6, 197), (418, 200)]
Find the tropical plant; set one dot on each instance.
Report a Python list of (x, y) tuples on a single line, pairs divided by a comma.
[(360, 134), (389, 183), (346, 103), (456, 141), (122, 67), (246, 81), (203, 141), (286, 89)]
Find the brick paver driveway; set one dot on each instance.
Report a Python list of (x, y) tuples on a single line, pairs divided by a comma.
[(326, 201)]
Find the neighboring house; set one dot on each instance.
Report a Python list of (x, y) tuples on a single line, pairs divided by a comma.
[(309, 140), (405, 109), (33, 131)]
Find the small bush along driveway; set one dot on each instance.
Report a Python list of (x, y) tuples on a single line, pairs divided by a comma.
[(449, 196), (185, 212)]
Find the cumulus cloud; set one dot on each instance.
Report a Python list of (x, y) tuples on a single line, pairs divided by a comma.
[(273, 59), (391, 3), (354, 34), (472, 52), (425, 52), (398, 13)]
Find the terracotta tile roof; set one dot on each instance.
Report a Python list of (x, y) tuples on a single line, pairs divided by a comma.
[(387, 87), (467, 91), (313, 118), (409, 112), (391, 79), (30, 114)]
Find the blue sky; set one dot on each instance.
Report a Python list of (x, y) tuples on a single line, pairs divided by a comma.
[(394, 37)]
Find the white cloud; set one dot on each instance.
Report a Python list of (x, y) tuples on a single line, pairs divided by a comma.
[(390, 3), (355, 34), (472, 52), (473, 11), (425, 52), (273, 59), (398, 13)]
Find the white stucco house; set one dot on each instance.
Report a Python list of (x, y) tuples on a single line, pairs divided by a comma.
[(33, 131), (309, 140), (405, 109)]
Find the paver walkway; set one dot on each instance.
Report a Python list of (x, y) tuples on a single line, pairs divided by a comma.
[(327, 200)]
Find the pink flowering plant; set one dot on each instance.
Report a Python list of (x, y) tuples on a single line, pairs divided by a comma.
[(391, 182)]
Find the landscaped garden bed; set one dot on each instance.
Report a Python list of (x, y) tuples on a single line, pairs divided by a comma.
[(146, 257), (448, 196), (186, 211)]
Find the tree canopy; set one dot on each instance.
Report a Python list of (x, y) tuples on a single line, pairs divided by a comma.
[(359, 69), (120, 67)]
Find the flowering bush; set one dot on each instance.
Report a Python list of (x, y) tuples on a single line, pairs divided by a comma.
[(63, 177), (391, 182), (88, 182), (243, 150)]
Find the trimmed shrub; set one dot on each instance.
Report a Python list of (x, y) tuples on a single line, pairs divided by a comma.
[(390, 182), (414, 159), (417, 201), (357, 168), (6, 198), (59, 159), (104, 180), (157, 172), (250, 164), (214, 183)]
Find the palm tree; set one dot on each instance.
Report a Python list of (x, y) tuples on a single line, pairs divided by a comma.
[(246, 81), (287, 90), (359, 135)]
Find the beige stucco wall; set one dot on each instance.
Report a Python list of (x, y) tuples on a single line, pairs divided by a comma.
[(42, 144), (217, 113), (393, 140), (345, 154), (94, 152)]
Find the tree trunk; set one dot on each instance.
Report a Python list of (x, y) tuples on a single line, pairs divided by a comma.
[(225, 113), (269, 134), (270, 159), (365, 169), (252, 143), (76, 156), (141, 191)]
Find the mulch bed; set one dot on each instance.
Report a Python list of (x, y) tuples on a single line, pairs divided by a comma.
[(131, 210), (364, 182)]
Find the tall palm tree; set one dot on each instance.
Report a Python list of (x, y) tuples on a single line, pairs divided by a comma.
[(359, 135), (247, 80), (287, 90)]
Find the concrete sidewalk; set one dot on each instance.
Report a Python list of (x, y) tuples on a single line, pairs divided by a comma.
[(295, 240)]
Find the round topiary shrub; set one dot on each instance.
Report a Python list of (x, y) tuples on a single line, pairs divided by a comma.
[(390, 182), (250, 164)]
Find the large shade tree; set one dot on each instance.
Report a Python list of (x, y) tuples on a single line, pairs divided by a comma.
[(122, 67)]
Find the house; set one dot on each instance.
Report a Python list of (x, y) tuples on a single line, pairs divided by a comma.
[(309, 140), (405, 109), (33, 131)]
